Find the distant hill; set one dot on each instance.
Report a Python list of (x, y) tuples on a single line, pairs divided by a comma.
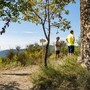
[(4, 52)]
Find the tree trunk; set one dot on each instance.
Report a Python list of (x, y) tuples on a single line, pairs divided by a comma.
[(85, 32), (48, 34), (46, 54)]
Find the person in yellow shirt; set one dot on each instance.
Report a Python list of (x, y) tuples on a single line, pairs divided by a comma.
[(70, 40)]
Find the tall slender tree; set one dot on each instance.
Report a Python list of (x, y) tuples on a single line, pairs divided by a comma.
[(85, 32)]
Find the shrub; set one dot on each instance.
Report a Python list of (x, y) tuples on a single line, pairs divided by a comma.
[(77, 50), (31, 55), (10, 54), (64, 50), (68, 76)]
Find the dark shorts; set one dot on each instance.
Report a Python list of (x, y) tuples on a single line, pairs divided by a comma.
[(57, 51), (70, 49)]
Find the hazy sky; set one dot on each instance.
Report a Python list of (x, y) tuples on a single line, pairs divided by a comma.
[(27, 33)]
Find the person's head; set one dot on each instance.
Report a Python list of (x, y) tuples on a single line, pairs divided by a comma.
[(72, 32), (57, 38)]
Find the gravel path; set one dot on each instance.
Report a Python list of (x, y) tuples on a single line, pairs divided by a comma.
[(16, 78)]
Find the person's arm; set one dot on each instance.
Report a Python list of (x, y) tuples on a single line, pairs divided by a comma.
[(67, 39), (74, 39)]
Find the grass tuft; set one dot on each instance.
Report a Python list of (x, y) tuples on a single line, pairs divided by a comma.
[(67, 76)]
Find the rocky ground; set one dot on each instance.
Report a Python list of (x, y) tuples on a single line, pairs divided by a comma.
[(16, 78)]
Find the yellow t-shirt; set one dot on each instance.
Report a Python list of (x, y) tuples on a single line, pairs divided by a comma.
[(70, 39)]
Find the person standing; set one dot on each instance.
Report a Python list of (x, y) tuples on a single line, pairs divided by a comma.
[(70, 40), (57, 47)]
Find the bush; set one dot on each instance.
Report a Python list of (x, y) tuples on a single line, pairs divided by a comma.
[(64, 50), (31, 55), (47, 79), (77, 50), (68, 76)]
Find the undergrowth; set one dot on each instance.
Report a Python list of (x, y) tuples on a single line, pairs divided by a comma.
[(68, 76)]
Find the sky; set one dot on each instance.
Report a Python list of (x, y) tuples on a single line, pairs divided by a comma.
[(28, 33)]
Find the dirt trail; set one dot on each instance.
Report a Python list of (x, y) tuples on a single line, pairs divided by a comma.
[(16, 78)]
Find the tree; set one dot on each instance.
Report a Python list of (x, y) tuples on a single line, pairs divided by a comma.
[(8, 12), (47, 13), (85, 32), (18, 49), (10, 54)]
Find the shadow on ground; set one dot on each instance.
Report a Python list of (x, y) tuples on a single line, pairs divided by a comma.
[(17, 74), (10, 86)]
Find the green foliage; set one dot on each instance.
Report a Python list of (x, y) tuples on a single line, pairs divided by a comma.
[(0, 60), (9, 10), (36, 11), (64, 50), (10, 54), (35, 53), (31, 55), (47, 78), (68, 76), (77, 50)]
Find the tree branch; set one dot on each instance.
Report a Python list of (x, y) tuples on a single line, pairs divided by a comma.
[(44, 31), (54, 11), (45, 14), (48, 23), (37, 15)]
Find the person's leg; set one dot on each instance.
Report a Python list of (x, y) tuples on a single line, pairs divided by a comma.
[(69, 51), (58, 53), (72, 50)]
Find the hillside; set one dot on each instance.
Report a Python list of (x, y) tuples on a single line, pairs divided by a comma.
[(4, 52)]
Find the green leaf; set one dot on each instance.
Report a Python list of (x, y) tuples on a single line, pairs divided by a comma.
[(66, 12), (19, 22)]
